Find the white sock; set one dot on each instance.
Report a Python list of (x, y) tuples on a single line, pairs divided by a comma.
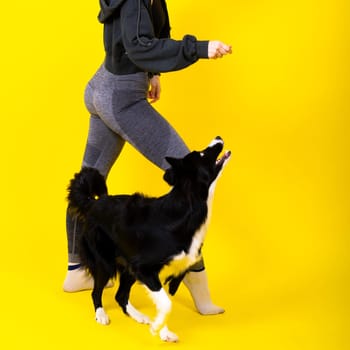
[(77, 279), (197, 284)]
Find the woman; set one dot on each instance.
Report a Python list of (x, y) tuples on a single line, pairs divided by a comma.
[(138, 47)]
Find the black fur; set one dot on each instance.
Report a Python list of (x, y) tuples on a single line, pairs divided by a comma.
[(135, 235)]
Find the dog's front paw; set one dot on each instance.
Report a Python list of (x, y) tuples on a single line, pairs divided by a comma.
[(164, 334), (101, 316), (168, 336)]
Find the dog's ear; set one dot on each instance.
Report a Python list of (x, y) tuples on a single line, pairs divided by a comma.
[(169, 176), (174, 162)]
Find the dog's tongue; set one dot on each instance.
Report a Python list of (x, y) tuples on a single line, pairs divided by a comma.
[(225, 156)]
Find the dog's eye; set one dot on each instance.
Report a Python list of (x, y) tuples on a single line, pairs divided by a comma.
[(201, 154)]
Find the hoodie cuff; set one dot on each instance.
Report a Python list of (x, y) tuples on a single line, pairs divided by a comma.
[(202, 49)]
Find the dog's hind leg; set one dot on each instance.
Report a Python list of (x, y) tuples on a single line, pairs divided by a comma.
[(100, 281), (122, 298)]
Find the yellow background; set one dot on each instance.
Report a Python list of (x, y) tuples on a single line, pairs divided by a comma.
[(277, 248)]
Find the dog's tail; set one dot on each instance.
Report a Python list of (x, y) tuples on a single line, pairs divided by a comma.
[(87, 186)]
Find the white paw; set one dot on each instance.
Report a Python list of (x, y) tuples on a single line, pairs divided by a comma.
[(101, 316), (137, 315), (168, 336)]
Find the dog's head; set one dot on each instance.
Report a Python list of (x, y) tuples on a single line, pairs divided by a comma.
[(198, 170)]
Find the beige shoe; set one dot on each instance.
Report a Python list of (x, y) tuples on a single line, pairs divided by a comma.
[(197, 284), (79, 279)]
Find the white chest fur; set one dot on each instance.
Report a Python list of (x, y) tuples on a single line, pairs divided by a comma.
[(182, 261)]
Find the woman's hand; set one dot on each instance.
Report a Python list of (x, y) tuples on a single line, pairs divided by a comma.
[(154, 91), (217, 49)]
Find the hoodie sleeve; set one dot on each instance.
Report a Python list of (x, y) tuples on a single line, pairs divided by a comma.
[(153, 54)]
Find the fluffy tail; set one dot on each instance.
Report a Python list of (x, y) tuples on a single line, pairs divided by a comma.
[(86, 186)]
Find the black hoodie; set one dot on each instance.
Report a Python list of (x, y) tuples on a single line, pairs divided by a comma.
[(137, 38)]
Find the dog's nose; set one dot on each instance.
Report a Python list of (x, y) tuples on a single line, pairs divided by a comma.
[(216, 141)]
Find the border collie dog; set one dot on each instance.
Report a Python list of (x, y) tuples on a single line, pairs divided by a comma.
[(150, 240)]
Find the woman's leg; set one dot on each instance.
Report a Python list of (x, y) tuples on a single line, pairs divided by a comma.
[(155, 138), (196, 281), (102, 149)]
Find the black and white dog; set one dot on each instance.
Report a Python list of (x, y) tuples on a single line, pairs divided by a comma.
[(151, 240)]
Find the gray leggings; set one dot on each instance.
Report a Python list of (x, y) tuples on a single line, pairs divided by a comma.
[(120, 112)]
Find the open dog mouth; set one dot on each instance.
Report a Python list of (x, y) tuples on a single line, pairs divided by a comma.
[(226, 156)]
